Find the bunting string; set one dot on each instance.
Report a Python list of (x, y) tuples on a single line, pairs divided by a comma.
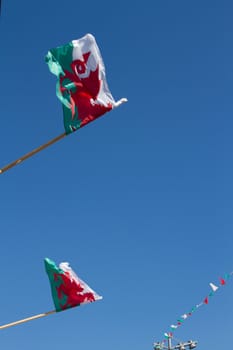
[(214, 287)]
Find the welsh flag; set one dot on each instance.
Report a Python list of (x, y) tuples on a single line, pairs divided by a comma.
[(68, 290), (81, 85)]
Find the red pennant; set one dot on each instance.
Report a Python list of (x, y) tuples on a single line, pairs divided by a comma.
[(222, 281), (206, 300)]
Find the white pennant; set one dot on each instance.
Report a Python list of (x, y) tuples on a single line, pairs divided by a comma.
[(184, 316), (213, 287)]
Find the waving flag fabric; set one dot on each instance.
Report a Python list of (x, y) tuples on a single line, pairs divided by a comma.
[(81, 86), (68, 290)]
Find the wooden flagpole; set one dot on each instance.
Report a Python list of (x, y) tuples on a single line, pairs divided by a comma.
[(27, 319), (36, 150)]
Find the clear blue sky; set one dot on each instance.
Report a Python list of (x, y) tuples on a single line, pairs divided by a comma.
[(140, 201)]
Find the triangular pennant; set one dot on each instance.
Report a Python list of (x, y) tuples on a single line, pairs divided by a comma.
[(213, 287), (184, 316), (222, 281)]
